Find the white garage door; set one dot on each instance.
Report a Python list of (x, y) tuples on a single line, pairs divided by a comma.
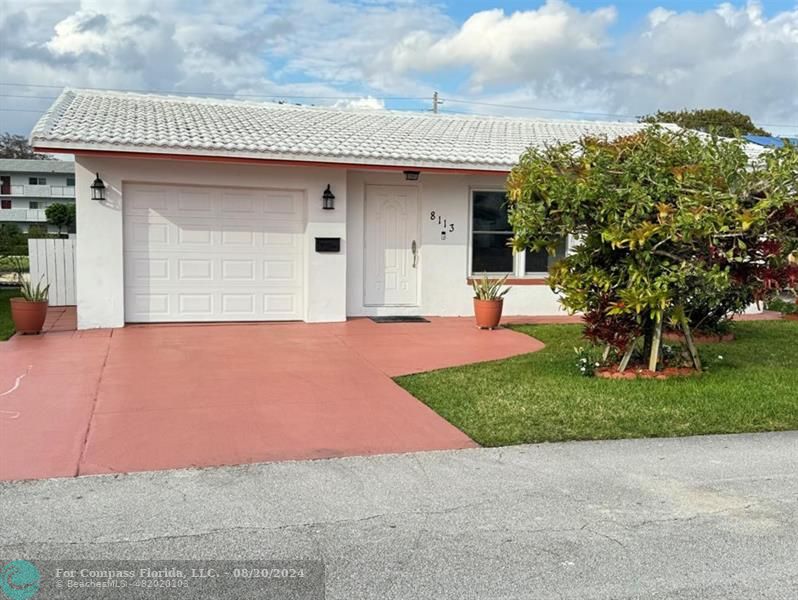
[(212, 254)]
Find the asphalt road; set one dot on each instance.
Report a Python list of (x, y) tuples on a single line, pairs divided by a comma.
[(706, 517)]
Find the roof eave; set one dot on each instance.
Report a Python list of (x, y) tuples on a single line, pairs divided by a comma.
[(349, 162)]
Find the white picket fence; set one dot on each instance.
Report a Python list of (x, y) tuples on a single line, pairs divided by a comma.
[(53, 262)]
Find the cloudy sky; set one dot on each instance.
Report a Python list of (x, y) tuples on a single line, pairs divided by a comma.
[(555, 58)]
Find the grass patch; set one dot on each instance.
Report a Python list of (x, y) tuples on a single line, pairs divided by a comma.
[(540, 398), (6, 325)]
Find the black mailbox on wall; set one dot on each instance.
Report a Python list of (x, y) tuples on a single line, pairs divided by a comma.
[(328, 244)]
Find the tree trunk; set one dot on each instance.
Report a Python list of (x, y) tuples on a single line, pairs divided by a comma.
[(656, 342), (691, 347), (627, 356), (648, 335)]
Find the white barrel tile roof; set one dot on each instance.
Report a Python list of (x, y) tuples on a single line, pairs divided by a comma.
[(121, 121)]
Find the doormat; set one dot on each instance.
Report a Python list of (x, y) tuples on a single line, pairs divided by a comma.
[(399, 319)]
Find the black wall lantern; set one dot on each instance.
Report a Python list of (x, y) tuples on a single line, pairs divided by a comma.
[(98, 189), (328, 199), (411, 175)]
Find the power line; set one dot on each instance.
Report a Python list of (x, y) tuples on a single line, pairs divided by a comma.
[(437, 100), (554, 110), (436, 97), (28, 97), (38, 85), (576, 112), (221, 94)]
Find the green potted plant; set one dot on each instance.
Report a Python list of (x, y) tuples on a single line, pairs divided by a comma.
[(29, 311), (489, 301)]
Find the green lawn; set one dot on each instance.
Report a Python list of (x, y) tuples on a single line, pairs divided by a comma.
[(539, 397), (6, 326)]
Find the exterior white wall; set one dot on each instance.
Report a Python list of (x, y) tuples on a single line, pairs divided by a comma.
[(52, 179), (443, 264), (18, 203), (55, 186), (333, 282), (99, 276), (99, 253), (22, 194), (24, 203)]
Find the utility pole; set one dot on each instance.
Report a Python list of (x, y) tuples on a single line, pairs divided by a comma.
[(436, 102)]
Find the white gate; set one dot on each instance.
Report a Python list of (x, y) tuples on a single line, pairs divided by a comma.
[(53, 262)]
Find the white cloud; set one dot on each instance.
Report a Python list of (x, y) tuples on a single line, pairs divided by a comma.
[(659, 15), (730, 57), (501, 48), (556, 55), (559, 57), (367, 103), (350, 43)]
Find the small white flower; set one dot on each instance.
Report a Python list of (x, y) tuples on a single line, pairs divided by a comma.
[(720, 357), (597, 364)]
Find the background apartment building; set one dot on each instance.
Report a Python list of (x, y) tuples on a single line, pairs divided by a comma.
[(28, 187)]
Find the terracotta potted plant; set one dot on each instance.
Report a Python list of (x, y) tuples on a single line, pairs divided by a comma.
[(29, 311), (489, 301)]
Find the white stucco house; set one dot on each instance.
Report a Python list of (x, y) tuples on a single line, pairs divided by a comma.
[(214, 209)]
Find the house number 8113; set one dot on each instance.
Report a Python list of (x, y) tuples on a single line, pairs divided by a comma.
[(446, 226)]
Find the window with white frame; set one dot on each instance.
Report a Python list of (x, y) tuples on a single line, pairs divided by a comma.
[(490, 235), (37, 180)]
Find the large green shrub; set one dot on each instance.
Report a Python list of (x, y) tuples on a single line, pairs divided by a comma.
[(672, 226), (12, 241)]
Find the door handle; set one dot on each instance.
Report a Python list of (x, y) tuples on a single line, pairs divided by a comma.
[(414, 250)]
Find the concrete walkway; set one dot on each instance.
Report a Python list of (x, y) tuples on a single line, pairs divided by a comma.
[(705, 518), (64, 318), (159, 397)]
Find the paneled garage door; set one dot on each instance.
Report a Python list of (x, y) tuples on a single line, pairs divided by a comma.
[(212, 254)]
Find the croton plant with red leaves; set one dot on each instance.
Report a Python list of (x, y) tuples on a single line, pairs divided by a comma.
[(673, 226)]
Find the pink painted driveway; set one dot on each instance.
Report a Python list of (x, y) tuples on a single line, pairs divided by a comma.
[(159, 397)]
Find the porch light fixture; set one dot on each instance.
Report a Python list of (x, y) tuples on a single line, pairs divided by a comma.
[(98, 189), (328, 199), (411, 175)]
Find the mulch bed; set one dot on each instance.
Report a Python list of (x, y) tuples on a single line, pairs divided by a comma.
[(699, 338), (790, 317), (642, 373)]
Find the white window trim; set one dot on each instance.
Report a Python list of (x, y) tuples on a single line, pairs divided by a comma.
[(519, 258)]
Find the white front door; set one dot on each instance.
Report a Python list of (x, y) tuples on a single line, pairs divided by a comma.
[(213, 254), (392, 244)]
